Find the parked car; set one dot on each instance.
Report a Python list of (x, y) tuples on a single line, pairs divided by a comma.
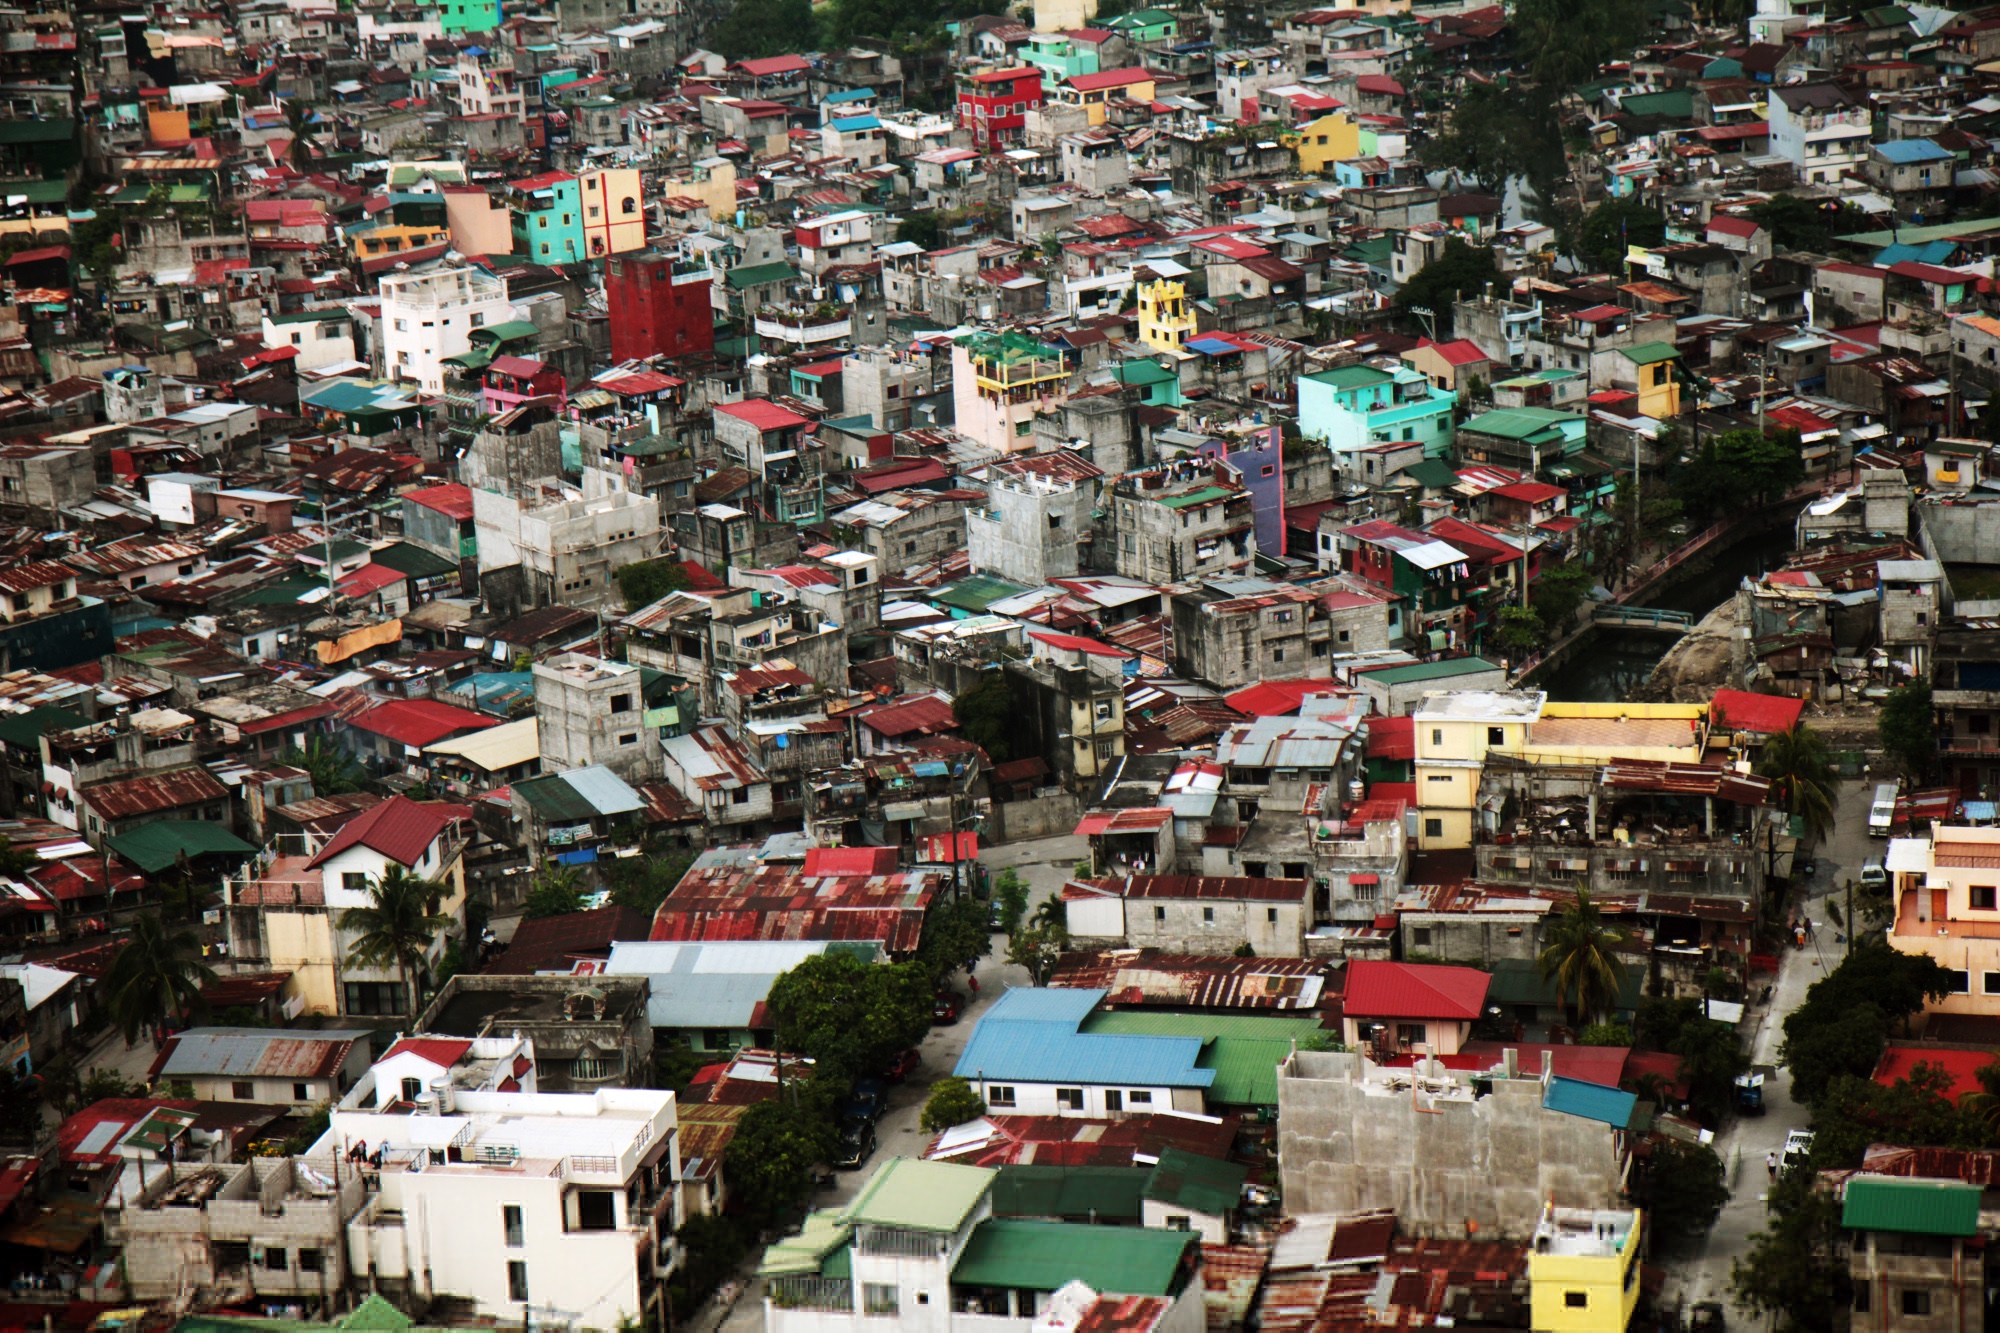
[(1798, 1149), (903, 1065), (857, 1144), (947, 1007), (865, 1102), (1873, 875)]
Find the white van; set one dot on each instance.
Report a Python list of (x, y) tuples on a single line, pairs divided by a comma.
[(1882, 810)]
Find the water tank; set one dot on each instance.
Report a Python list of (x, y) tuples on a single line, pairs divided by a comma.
[(441, 1095)]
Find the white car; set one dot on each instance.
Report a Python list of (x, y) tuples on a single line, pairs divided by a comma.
[(1798, 1149)]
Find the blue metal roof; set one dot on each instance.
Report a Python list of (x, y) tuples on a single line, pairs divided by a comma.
[(1591, 1101), (1031, 1035), (849, 95), (846, 123), (1905, 152)]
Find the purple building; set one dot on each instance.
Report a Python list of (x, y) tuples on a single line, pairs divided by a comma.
[(1259, 456)]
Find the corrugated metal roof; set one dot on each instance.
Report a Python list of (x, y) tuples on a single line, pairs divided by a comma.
[(708, 984), (606, 792), (1914, 1207), (1591, 1101), (1035, 1040), (1043, 1256), (255, 1051)]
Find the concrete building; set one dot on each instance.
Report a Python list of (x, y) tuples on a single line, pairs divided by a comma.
[(1821, 130), (1181, 521), (1494, 1149), (1583, 1272), (567, 550), (1945, 907), (1030, 1056), (517, 1202), (1231, 638), (1453, 733), (580, 1033), (1192, 914), (1354, 407), (1911, 592), (429, 316), (268, 1066), (1912, 1253), (1000, 381), (1038, 511), (591, 711)]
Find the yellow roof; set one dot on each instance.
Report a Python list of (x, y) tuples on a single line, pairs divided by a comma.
[(495, 748)]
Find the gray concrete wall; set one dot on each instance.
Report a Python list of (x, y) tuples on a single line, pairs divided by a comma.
[(1960, 534), (1050, 816), (1494, 1160)]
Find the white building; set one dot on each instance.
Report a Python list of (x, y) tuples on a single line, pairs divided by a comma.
[(427, 317), (427, 840), (534, 1206), (569, 551), (1821, 130), (1028, 1057)]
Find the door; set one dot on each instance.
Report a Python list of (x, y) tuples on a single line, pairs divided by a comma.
[(1114, 1102)]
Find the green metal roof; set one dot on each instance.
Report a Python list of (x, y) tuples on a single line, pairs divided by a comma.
[(25, 729), (918, 1195), (1434, 473), (1647, 353), (1351, 377), (37, 191), (1042, 1256), (1439, 670), (1142, 370), (1199, 1184), (1202, 496), (1244, 1050), (756, 275), (553, 799), (1917, 1207), (1519, 981), (508, 331), (1519, 423), (823, 1236), (414, 561), (1096, 1193), (163, 845), (1675, 103), (975, 592)]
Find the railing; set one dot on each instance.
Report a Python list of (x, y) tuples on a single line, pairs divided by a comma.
[(806, 1292), (1640, 617), (1969, 744), (802, 333)]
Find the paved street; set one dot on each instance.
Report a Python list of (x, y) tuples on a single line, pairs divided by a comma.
[(1744, 1143)]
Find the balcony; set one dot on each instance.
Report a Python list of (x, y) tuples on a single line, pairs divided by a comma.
[(802, 330)]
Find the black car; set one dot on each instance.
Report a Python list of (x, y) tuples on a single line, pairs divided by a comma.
[(857, 1144), (866, 1101)]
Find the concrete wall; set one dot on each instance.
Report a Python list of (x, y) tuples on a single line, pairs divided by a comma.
[(1211, 927), (1960, 534), (1494, 1160), (1040, 817)]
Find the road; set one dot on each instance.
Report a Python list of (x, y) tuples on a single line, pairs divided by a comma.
[(1044, 863), (1743, 1144)]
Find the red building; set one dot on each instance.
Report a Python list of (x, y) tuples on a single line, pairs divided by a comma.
[(513, 380), (995, 105), (659, 306)]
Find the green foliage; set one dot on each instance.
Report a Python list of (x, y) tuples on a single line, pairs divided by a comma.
[(642, 883), (1908, 727), (985, 715), (850, 1017), (20, 1108), (955, 933), (69, 1093), (1605, 1034), (1581, 958), (1461, 270), (1519, 629), (557, 891), (156, 979), (1559, 591), (1612, 226), (1492, 134), (769, 1163), (711, 1247), (952, 1102), (1682, 1187), (648, 581), (1846, 1015), (1658, 1021), (1737, 468), (1244, 950), (675, 1064), (1800, 767), (396, 928), (1038, 948), (310, 1130), (1798, 223), (1791, 1272), (754, 28), (1010, 891), (333, 770), (1711, 1057), (924, 229), (1916, 1111), (1569, 39), (14, 862)]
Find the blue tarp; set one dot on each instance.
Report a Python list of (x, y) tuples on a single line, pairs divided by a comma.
[(581, 857)]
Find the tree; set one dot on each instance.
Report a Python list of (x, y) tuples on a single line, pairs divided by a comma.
[(769, 1163), (755, 28), (1658, 1021), (1038, 948), (642, 883), (955, 933), (1798, 223), (647, 581), (20, 1107), (1791, 1271), (156, 980), (1010, 894), (1559, 591), (332, 770), (952, 1102), (1614, 225), (557, 891), (1847, 1013), (397, 928), (1519, 629), (1605, 1034), (851, 1017), (1581, 959), (70, 1092), (1571, 38), (1682, 1187), (1908, 727), (1460, 270), (1737, 468), (986, 716), (299, 123), (1486, 140), (925, 229), (1711, 1058), (1916, 1111), (1801, 772)]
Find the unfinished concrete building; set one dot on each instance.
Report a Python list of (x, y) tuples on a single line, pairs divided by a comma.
[(1030, 529), (566, 549), (587, 1032), (591, 711)]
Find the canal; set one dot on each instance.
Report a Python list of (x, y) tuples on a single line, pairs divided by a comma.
[(1614, 662)]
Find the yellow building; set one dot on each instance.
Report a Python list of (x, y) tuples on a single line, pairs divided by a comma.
[(614, 211), (1579, 733), (1334, 137), (711, 180), (1583, 1273), (1650, 367), (1166, 316), (1095, 92), (1454, 731), (1948, 906)]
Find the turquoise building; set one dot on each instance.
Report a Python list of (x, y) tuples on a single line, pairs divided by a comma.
[(1358, 407), (547, 218)]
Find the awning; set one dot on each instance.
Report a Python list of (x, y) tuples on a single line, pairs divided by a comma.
[(1364, 879)]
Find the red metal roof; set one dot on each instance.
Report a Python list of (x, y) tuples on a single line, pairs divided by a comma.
[(1216, 887), (850, 860), (1413, 990), (370, 578), (151, 793), (1279, 698), (553, 943), (444, 1052), (419, 722), (1110, 78), (778, 903), (1739, 710), (1144, 820), (927, 715), (1962, 1067), (399, 828), (1076, 643), (1392, 737), (1532, 492), (1734, 226), (763, 414)]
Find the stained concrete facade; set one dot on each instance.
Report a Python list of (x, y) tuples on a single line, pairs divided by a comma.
[(591, 711), (1353, 1136), (1028, 532), (569, 550), (265, 1225)]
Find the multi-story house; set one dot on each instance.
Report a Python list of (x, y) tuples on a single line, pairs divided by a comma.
[(568, 551), (429, 316), (1947, 900), (1000, 381), (1354, 407), (613, 211), (592, 711), (710, 767), (1914, 1247), (1583, 1269), (659, 305), (993, 105), (1821, 130), (1038, 510), (835, 238), (1186, 520), (44, 624), (1453, 733), (547, 218)]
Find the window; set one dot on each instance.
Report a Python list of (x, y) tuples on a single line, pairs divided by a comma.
[(628, 205), (517, 1279), (1072, 1098), (879, 1298), (1139, 1097), (1179, 1222), (1576, 1300), (1433, 828), (1958, 983), (1916, 1302), (1990, 983), (741, 796), (1437, 735), (1208, 914), (301, 1093), (621, 703), (1023, 427), (312, 1261), (999, 1096), (1113, 1101), (1437, 777), (1496, 735), (596, 1210), (1982, 897), (276, 1259), (629, 738), (1409, 1034), (243, 1091), (413, 1088), (477, 321), (1861, 1298), (510, 1222), (1420, 937), (1271, 915), (354, 880), (1159, 913)]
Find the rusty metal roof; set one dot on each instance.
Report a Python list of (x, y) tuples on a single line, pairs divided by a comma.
[(1687, 780), (272, 1053), (153, 792), (1153, 976)]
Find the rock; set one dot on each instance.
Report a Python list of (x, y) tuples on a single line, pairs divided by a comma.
[(1696, 666)]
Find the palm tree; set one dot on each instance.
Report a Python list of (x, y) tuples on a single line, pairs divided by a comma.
[(157, 978), (1582, 960), (332, 770), (1801, 773), (299, 124), (398, 929)]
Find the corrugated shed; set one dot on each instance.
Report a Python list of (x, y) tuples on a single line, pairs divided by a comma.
[(265, 1052)]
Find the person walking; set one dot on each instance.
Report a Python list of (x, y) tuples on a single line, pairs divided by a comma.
[(1771, 1165)]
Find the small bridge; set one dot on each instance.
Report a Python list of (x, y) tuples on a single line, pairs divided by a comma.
[(1611, 616)]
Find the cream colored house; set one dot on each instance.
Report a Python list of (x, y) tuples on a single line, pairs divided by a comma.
[(1454, 731), (1580, 733), (1947, 889)]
